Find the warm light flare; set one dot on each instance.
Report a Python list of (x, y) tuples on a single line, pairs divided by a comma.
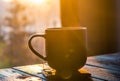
[(7, 0), (34, 2), (37, 1)]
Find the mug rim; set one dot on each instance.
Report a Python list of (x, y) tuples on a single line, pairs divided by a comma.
[(68, 28)]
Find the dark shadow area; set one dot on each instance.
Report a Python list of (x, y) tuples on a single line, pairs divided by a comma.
[(101, 17), (75, 77)]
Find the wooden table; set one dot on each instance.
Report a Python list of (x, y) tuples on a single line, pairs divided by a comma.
[(102, 68)]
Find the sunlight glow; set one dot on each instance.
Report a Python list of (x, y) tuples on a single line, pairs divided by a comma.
[(33, 2), (7, 0), (37, 1)]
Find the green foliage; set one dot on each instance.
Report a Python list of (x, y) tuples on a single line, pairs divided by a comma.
[(2, 46)]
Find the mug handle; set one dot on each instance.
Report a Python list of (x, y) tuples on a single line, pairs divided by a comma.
[(31, 47)]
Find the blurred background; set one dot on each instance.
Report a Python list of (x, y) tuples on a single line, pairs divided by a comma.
[(19, 19)]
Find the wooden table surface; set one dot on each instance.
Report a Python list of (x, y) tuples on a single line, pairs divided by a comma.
[(102, 68)]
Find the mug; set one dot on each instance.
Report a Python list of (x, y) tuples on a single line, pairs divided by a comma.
[(66, 48)]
